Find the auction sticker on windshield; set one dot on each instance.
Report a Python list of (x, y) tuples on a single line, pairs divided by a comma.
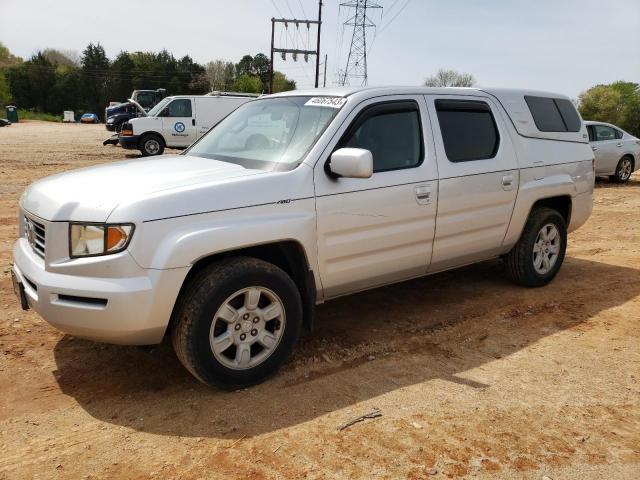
[(333, 102)]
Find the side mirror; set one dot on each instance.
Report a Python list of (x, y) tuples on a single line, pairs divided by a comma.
[(351, 163)]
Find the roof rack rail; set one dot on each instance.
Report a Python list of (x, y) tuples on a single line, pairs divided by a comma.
[(232, 94)]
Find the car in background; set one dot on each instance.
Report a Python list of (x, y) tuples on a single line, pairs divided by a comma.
[(178, 121), (117, 115), (4, 122), (89, 118), (617, 152)]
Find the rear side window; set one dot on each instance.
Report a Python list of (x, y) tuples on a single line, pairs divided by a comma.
[(553, 114), (602, 132), (468, 130), (391, 131)]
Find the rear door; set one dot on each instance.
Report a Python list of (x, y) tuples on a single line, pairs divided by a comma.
[(478, 179), (179, 123), (607, 149)]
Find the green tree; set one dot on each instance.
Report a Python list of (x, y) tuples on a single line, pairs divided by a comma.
[(95, 78), (30, 82), (5, 93), (450, 78), (281, 83), (261, 67), (121, 77), (247, 83), (617, 103), (7, 59)]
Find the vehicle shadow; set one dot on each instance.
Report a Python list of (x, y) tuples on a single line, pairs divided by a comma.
[(605, 183), (365, 345)]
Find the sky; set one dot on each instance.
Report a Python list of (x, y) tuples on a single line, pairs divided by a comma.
[(564, 46)]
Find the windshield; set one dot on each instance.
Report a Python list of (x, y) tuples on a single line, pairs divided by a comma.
[(158, 108), (271, 133)]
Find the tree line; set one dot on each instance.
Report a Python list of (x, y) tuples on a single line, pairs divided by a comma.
[(52, 81)]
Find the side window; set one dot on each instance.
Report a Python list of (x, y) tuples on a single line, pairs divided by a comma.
[(618, 134), (468, 130), (592, 134), (179, 108), (553, 114), (391, 132), (604, 133)]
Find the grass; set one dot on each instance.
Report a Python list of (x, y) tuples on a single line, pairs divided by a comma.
[(46, 117)]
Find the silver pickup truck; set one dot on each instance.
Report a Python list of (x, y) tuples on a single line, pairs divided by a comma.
[(294, 199)]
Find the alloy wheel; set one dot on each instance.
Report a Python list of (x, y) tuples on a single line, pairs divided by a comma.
[(247, 328)]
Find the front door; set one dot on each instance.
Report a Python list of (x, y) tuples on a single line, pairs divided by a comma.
[(178, 123), (479, 179), (378, 230)]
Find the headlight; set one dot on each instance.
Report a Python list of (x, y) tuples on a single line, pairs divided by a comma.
[(87, 240), (110, 120)]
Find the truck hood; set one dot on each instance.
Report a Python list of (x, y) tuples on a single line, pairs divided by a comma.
[(141, 110), (91, 194)]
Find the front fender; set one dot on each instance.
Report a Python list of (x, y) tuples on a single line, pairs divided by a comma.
[(180, 242)]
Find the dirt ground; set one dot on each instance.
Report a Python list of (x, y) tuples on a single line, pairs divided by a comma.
[(474, 377)]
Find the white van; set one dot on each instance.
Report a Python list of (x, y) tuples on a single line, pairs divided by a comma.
[(178, 121)]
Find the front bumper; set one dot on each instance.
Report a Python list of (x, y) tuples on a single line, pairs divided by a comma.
[(132, 310), (130, 141)]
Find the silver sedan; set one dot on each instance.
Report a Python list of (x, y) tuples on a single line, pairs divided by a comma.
[(617, 152)]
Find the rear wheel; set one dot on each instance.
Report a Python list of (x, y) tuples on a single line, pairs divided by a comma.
[(539, 253), (151, 144), (236, 322), (624, 169)]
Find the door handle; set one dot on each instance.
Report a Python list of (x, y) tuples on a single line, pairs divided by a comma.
[(423, 194), (193, 122), (507, 181), (595, 149), (619, 145)]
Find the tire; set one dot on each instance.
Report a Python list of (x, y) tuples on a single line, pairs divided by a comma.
[(198, 323), (528, 267), (151, 144), (624, 169)]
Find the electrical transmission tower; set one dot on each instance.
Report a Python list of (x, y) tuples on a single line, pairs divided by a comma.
[(356, 68)]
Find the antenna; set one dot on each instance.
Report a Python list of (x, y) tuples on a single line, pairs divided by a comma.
[(356, 69)]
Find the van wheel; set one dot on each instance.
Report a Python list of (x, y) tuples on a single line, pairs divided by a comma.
[(236, 322), (151, 144), (624, 169), (539, 253)]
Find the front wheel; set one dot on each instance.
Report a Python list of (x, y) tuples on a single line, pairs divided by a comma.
[(624, 169), (236, 322), (151, 144), (539, 253)]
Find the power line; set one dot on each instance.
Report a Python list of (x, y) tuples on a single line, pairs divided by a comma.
[(386, 25)]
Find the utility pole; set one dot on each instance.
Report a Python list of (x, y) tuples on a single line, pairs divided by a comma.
[(324, 83), (294, 51), (318, 46), (356, 68)]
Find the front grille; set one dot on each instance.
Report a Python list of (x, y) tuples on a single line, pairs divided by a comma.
[(36, 235)]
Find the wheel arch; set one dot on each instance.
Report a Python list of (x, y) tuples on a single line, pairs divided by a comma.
[(561, 203), (289, 255), (151, 132)]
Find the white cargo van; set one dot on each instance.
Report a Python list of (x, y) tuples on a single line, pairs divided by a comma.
[(178, 121)]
